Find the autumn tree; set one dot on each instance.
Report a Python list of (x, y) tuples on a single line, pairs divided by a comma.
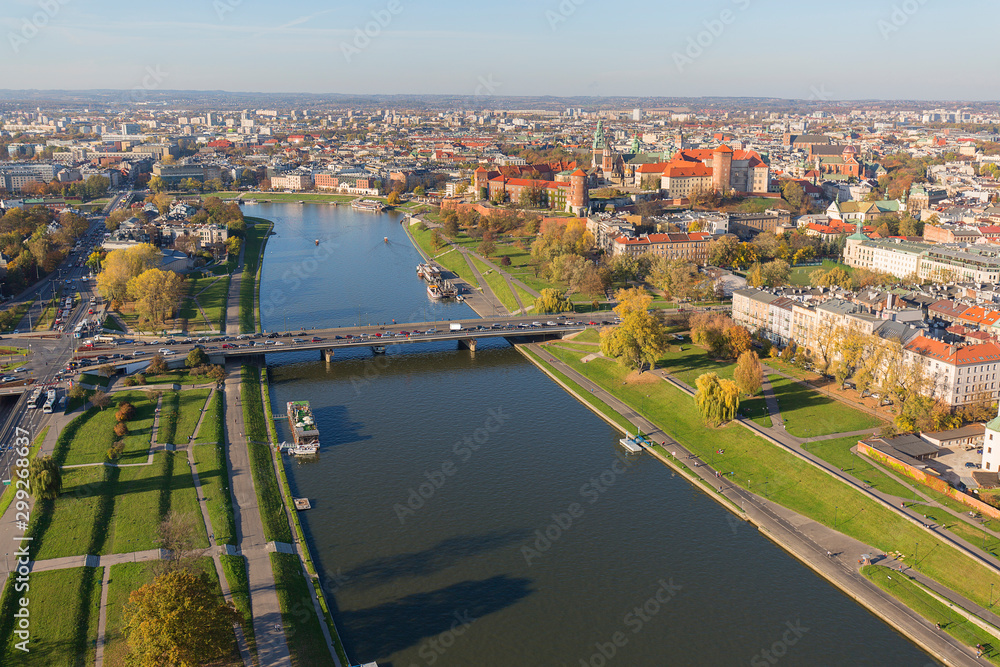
[(100, 399), (121, 266), (178, 619), (708, 330), (679, 278), (125, 412), (738, 340), (640, 338), (718, 400), (157, 365), (196, 357), (44, 478), (179, 536), (552, 301), (749, 374), (156, 293), (835, 277)]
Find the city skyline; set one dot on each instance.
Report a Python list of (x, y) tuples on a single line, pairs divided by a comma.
[(570, 48)]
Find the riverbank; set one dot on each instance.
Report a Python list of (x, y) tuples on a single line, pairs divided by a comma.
[(807, 540)]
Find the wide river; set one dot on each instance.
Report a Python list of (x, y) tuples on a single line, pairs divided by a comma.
[(468, 512)]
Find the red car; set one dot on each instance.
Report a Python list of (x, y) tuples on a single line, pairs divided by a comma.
[(227, 346), (317, 339)]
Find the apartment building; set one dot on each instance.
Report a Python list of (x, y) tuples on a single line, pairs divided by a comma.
[(679, 245)]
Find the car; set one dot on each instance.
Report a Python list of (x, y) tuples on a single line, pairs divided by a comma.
[(17, 331), (165, 350), (8, 378), (316, 339), (171, 342), (22, 369), (278, 342), (286, 335), (404, 333), (302, 340), (431, 331), (970, 464), (268, 342), (550, 323)]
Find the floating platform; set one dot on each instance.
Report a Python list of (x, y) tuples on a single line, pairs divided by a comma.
[(302, 504), (633, 444)]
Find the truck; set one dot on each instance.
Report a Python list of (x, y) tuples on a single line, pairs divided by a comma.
[(456, 326)]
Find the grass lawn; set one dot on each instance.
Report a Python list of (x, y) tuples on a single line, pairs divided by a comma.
[(210, 461), (790, 369), (63, 607), (211, 430), (838, 453), (90, 440), (686, 362), (497, 285), (112, 324), (272, 510), (527, 298), (767, 469), (68, 525), (213, 301), (591, 335), (305, 636), (189, 312), (256, 237), (800, 274), (916, 598), (809, 413), (235, 570), (94, 379), (191, 403), (144, 495), (180, 376), (125, 578)]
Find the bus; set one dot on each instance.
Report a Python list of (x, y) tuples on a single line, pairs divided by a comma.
[(34, 401), (47, 408)]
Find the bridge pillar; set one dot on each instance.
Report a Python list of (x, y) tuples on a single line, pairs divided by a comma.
[(469, 343), (326, 355)]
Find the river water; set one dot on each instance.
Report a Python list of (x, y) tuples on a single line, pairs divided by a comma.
[(467, 511)]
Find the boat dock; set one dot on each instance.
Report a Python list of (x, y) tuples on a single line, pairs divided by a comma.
[(304, 432), (634, 444), (302, 504)]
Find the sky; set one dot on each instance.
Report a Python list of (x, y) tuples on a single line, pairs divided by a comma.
[(835, 50)]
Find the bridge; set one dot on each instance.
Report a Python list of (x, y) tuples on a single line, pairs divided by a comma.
[(328, 341)]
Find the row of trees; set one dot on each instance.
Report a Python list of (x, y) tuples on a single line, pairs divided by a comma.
[(93, 187), (131, 274), (33, 245)]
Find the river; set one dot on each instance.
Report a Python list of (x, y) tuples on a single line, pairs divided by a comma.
[(467, 511)]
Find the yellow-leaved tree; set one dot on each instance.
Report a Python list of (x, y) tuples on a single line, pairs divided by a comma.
[(718, 400), (639, 339), (121, 266), (155, 293)]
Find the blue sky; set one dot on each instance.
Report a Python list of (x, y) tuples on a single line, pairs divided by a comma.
[(847, 49)]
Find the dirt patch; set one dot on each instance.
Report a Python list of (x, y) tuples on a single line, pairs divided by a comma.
[(645, 378)]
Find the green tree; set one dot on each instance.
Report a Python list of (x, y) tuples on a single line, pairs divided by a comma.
[(419, 191), (44, 478), (157, 184), (749, 374), (178, 620), (157, 365), (718, 400), (552, 301), (196, 357)]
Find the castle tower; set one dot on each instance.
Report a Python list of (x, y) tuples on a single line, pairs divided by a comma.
[(991, 445), (599, 144), (579, 197), (479, 180), (722, 164)]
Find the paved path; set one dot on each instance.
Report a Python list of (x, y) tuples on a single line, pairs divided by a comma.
[(102, 620), (272, 649), (495, 306), (808, 540)]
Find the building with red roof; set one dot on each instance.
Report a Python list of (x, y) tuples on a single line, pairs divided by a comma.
[(690, 246), (959, 375), (721, 170)]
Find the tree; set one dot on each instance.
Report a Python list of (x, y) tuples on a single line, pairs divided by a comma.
[(156, 293), (121, 429), (392, 199), (157, 184), (486, 248), (178, 619), (196, 357), (107, 370), (178, 535), (419, 191), (552, 301), (121, 266), (738, 340), (749, 374), (100, 399), (835, 277), (125, 411), (157, 365), (217, 373), (718, 400), (44, 478), (640, 338)]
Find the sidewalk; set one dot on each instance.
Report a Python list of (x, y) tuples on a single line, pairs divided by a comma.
[(806, 539)]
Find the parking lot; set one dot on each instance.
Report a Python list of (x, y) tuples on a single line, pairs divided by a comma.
[(954, 462)]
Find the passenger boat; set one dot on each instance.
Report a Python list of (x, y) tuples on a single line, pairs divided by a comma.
[(304, 432), (434, 291), (367, 205)]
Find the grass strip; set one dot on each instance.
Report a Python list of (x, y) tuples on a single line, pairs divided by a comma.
[(306, 642), (10, 491), (272, 510)]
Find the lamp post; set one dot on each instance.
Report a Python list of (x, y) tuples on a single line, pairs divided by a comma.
[(916, 553)]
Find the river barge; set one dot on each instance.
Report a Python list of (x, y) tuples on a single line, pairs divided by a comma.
[(305, 435)]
